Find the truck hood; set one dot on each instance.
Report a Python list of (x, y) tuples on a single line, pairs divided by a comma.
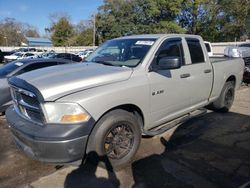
[(58, 81)]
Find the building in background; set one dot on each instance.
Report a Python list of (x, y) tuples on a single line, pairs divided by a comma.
[(37, 42)]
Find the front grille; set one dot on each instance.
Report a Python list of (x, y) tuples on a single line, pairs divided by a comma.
[(27, 104)]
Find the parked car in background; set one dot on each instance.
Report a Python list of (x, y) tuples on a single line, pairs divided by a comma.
[(7, 53), (241, 50), (68, 56), (86, 53), (19, 55), (246, 76), (27, 50), (18, 67), (1, 57), (209, 48), (80, 52), (13, 56), (144, 84), (46, 54)]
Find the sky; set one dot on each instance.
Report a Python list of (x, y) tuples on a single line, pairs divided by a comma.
[(36, 12)]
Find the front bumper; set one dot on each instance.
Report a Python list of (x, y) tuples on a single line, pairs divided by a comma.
[(44, 143)]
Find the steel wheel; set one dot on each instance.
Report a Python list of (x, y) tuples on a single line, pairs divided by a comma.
[(119, 141), (117, 136)]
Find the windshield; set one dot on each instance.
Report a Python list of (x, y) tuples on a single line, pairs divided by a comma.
[(121, 52), (8, 68)]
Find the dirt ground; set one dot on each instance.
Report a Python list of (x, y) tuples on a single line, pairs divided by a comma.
[(212, 150)]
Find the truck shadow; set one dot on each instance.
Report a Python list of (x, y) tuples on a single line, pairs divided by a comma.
[(85, 176), (208, 151)]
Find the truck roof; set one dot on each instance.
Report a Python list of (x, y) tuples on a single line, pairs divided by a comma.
[(157, 36)]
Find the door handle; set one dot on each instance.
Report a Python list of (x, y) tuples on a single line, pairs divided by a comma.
[(207, 71), (185, 75)]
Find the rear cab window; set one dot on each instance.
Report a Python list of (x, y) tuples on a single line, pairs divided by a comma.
[(208, 47), (195, 49)]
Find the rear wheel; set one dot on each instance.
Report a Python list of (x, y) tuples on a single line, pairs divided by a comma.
[(117, 136), (225, 101)]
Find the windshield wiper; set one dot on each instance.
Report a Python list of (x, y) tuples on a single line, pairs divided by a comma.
[(107, 63)]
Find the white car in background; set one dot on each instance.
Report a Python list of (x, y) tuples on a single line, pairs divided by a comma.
[(85, 53), (241, 50), (19, 55), (209, 48)]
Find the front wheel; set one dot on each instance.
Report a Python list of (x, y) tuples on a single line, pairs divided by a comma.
[(117, 136)]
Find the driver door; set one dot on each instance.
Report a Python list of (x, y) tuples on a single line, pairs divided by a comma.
[(170, 89)]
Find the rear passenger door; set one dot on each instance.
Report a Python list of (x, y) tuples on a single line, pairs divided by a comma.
[(201, 72)]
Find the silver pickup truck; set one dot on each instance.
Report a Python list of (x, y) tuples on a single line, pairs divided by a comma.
[(129, 86)]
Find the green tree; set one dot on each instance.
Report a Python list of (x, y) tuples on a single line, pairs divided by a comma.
[(216, 20), (114, 19), (61, 31), (234, 19), (12, 32), (126, 17), (192, 15), (85, 38)]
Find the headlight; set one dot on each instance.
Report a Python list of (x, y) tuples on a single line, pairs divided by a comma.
[(65, 113)]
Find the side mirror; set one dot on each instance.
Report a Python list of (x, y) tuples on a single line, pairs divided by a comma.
[(171, 62)]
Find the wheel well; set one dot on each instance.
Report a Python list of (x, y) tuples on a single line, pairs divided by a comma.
[(231, 79), (133, 109)]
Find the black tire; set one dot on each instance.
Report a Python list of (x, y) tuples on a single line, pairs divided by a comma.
[(115, 131), (225, 101)]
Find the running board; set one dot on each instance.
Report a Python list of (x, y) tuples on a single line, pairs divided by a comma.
[(166, 126)]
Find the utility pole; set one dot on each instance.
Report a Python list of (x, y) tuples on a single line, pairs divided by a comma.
[(94, 30), (6, 40)]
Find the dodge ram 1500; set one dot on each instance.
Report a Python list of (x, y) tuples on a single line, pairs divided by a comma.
[(129, 86)]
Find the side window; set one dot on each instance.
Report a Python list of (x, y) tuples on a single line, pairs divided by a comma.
[(172, 48), (195, 50), (208, 47)]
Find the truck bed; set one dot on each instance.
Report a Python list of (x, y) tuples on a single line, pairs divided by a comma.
[(217, 59), (223, 67)]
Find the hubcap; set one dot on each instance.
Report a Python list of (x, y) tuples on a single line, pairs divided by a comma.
[(119, 141)]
